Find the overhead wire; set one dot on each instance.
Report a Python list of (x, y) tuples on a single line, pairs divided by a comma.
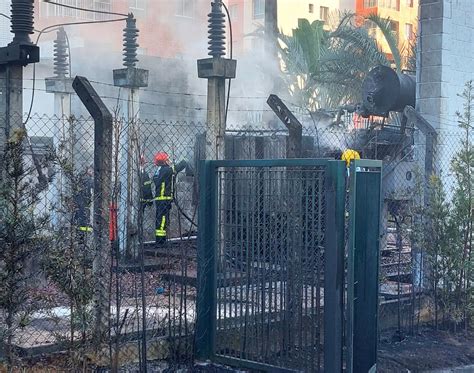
[(48, 29), (52, 28), (181, 93), (85, 9), (231, 55), (196, 108), (4, 15)]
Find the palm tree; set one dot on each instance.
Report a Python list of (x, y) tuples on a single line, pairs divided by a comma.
[(325, 68)]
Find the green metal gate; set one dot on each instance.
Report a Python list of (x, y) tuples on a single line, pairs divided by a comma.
[(271, 264), (363, 266)]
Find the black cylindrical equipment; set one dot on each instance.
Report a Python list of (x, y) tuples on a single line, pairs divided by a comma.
[(61, 57), (216, 30), (22, 24), (385, 90), (130, 45)]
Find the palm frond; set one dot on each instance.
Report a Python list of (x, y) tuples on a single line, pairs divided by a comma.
[(385, 25)]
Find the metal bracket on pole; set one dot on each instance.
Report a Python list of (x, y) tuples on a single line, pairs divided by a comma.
[(295, 140), (19, 54), (102, 175), (216, 71)]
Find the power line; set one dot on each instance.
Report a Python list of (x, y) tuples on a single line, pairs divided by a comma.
[(161, 105), (162, 92), (43, 31), (231, 55), (85, 9), (51, 28), (180, 93)]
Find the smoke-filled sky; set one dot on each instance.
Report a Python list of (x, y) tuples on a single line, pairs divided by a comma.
[(169, 48)]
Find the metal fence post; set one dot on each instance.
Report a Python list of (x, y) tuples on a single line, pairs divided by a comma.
[(102, 188), (207, 263), (334, 266), (363, 266)]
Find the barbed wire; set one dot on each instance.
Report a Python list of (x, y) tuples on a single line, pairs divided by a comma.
[(164, 92)]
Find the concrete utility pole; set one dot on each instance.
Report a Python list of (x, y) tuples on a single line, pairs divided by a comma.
[(271, 27), (131, 79), (19, 53), (271, 49), (61, 86), (216, 70)]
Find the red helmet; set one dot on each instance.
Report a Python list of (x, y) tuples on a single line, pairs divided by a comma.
[(161, 158)]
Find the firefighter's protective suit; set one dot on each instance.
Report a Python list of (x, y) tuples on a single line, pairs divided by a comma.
[(164, 180)]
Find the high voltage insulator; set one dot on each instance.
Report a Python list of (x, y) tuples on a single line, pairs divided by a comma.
[(216, 31), (22, 20), (61, 57), (130, 45)]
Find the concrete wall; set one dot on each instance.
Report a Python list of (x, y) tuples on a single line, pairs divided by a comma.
[(445, 63)]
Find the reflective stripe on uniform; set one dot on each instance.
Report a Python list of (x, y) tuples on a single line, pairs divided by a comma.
[(161, 232), (162, 196), (163, 222), (85, 229), (147, 182)]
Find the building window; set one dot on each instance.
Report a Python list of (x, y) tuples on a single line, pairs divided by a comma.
[(311, 8), (390, 4), (324, 13), (185, 8), (409, 31), (234, 11), (410, 3), (258, 9), (370, 3), (137, 4), (103, 6), (51, 10)]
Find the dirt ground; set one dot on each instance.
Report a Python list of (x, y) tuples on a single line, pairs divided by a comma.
[(425, 351)]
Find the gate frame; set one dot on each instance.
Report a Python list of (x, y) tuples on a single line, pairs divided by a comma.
[(205, 334), (365, 207)]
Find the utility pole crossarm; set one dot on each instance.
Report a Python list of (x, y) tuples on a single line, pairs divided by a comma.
[(283, 113), (295, 128), (91, 99)]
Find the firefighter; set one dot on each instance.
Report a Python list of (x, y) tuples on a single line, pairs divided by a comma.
[(83, 201), (164, 180)]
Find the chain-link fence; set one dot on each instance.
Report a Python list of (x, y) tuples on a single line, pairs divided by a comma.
[(48, 274)]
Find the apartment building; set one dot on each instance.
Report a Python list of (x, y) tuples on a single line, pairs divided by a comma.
[(248, 16), (403, 15)]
